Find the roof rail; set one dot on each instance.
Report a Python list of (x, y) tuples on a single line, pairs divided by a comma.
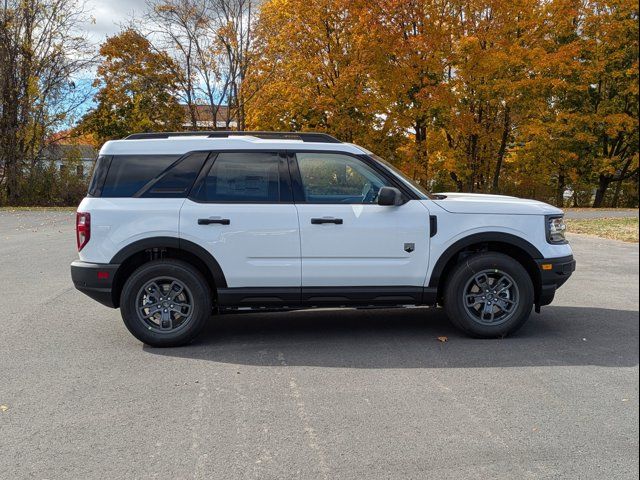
[(304, 136)]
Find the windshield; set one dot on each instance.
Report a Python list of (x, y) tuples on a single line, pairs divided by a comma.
[(419, 189)]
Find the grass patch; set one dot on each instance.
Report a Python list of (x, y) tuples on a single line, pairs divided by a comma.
[(625, 229), (591, 209), (38, 209)]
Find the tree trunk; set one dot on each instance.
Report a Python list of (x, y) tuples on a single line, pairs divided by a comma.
[(192, 114), (455, 178), (622, 176), (421, 146), (473, 157), (560, 190), (503, 148), (9, 129), (603, 185), (616, 194)]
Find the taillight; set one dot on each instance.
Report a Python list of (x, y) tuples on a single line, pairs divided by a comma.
[(83, 229)]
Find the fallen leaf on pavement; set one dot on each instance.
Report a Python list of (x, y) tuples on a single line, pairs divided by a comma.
[(4, 408)]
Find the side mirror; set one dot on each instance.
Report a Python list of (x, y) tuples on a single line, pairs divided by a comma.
[(389, 196)]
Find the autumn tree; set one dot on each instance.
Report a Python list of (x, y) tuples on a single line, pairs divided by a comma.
[(521, 97), (41, 59), (183, 30), (309, 73), (235, 39), (137, 90), (407, 49), (608, 98), (494, 48), (211, 41), (583, 133)]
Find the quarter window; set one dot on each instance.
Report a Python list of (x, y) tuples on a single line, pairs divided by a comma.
[(129, 173), (99, 173), (242, 177), (336, 178)]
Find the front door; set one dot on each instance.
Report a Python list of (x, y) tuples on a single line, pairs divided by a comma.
[(347, 239)]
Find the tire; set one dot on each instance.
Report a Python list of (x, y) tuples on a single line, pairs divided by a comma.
[(165, 303), (477, 300)]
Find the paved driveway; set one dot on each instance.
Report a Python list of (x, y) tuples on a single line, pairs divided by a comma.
[(326, 394)]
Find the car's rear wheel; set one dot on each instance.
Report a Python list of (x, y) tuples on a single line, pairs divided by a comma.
[(165, 303), (489, 295)]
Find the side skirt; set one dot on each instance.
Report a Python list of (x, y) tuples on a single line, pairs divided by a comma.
[(285, 298)]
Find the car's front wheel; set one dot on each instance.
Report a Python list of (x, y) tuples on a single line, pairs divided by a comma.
[(165, 303), (489, 295)]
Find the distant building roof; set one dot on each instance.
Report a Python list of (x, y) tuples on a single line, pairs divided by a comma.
[(57, 151), (204, 117)]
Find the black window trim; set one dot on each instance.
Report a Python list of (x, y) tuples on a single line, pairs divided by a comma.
[(286, 196), (296, 177)]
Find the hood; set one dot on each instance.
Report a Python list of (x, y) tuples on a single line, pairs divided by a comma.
[(496, 204)]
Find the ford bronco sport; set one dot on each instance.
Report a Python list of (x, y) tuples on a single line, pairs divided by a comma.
[(179, 226)]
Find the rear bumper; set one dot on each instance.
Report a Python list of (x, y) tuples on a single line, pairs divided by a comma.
[(553, 277), (94, 280)]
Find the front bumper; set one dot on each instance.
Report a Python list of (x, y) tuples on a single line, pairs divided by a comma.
[(554, 272), (94, 280)]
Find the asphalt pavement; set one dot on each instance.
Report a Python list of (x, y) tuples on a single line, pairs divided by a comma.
[(313, 395)]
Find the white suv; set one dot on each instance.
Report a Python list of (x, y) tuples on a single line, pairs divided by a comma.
[(179, 226)]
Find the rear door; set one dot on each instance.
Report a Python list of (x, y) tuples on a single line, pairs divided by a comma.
[(241, 211), (347, 239)]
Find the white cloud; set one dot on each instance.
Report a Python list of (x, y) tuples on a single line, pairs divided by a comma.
[(109, 15)]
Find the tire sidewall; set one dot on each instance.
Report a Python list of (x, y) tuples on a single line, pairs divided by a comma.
[(472, 265), (171, 268)]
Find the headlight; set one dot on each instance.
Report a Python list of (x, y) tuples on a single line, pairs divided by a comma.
[(556, 229)]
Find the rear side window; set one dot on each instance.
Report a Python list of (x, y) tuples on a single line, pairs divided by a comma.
[(129, 173), (177, 181), (242, 177)]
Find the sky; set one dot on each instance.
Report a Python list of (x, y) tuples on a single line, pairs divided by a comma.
[(107, 18), (109, 15)]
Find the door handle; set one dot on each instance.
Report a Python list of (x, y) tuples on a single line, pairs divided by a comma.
[(209, 221), (320, 221)]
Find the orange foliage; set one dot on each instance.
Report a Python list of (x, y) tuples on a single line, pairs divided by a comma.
[(523, 96)]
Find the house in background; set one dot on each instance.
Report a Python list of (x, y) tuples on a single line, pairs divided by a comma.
[(204, 118), (80, 157)]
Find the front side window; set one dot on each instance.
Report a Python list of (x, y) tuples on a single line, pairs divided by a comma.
[(249, 177), (338, 178)]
